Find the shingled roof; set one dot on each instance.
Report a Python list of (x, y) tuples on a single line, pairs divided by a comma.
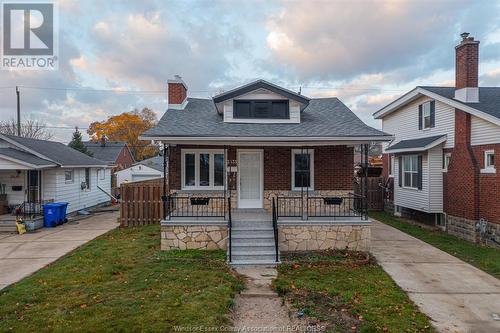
[(322, 117), (109, 153)]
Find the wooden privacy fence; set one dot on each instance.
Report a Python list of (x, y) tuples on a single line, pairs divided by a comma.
[(375, 192), (141, 203)]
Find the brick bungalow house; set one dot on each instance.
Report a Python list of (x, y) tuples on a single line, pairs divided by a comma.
[(261, 167), (442, 158)]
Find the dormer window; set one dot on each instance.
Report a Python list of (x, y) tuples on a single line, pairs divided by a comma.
[(261, 109), (426, 115)]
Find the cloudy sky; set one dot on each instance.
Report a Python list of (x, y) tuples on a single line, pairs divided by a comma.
[(117, 55)]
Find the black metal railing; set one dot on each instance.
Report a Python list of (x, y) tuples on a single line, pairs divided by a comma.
[(229, 229), (202, 206), (275, 228), (290, 206), (29, 209), (351, 205)]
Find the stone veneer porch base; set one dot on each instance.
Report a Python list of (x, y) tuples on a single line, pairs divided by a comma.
[(193, 236), (326, 236)]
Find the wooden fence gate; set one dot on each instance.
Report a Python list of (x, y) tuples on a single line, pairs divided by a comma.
[(141, 203), (375, 192)]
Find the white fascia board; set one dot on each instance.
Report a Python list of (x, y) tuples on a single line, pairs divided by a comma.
[(86, 166), (413, 94), (409, 150)]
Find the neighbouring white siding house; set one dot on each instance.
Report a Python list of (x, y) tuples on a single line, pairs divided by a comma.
[(151, 168), (483, 132), (39, 171)]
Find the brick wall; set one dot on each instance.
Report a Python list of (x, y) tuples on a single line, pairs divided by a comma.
[(333, 166), (461, 192), (177, 93), (489, 185), (466, 64), (125, 159)]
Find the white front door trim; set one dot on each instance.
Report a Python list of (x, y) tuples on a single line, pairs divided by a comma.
[(259, 202)]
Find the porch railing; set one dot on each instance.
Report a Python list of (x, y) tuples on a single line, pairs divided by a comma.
[(199, 206), (275, 229), (230, 230), (29, 209), (346, 206)]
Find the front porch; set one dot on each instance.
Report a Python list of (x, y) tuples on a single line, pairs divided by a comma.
[(268, 200)]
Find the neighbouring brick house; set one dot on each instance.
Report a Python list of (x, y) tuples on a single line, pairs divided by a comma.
[(234, 157), (442, 158)]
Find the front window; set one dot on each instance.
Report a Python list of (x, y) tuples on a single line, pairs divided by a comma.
[(426, 115), (203, 169), (410, 171), (302, 169), (261, 109)]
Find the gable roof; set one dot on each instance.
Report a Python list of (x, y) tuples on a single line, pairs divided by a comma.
[(109, 153), (420, 144), (155, 162), (488, 107), (52, 151), (257, 85), (323, 118)]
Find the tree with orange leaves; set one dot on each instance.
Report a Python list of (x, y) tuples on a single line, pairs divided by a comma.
[(127, 127)]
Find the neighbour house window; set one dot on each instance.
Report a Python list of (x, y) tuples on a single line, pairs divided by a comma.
[(87, 178), (446, 161), (489, 162), (102, 174), (68, 176), (302, 169), (203, 169), (391, 166), (411, 173), (426, 115), (261, 109)]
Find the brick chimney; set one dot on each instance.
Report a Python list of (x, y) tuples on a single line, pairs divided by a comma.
[(177, 93), (466, 69)]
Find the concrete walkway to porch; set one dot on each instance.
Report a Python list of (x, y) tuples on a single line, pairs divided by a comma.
[(455, 295), (22, 255)]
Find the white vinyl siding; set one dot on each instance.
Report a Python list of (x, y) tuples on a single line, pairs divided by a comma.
[(136, 173), (483, 132), (430, 198), (11, 178), (56, 188), (262, 94), (403, 124)]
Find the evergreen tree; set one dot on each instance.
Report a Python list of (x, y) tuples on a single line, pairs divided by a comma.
[(77, 143)]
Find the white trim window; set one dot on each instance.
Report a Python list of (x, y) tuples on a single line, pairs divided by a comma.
[(202, 169), (489, 162), (68, 176), (446, 161), (410, 171), (102, 174), (426, 115), (302, 169), (88, 174)]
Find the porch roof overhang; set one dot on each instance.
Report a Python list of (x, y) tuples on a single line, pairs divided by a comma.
[(270, 141), (22, 160), (416, 145)]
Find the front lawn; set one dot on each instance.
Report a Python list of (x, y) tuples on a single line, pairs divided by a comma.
[(122, 282), (347, 292), (484, 258)]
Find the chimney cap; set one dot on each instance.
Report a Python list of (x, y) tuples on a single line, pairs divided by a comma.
[(177, 79)]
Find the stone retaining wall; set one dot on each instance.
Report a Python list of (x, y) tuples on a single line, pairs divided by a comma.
[(323, 237), (470, 230), (183, 237)]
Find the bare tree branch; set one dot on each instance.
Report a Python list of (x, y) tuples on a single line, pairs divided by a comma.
[(30, 128)]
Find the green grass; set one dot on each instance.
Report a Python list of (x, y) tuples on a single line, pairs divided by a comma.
[(484, 258), (347, 294), (121, 282)]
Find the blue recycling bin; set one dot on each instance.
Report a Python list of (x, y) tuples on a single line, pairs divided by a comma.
[(50, 215), (60, 208)]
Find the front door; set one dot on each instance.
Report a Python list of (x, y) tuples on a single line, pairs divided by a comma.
[(33, 180), (250, 180)]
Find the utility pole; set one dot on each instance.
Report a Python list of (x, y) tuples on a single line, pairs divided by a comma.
[(18, 111)]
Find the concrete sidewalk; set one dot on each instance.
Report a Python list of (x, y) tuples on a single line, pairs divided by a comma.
[(457, 296), (22, 255)]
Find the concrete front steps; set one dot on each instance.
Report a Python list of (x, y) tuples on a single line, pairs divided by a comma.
[(8, 225), (253, 243)]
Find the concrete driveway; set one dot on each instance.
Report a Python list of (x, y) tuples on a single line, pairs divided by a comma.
[(22, 255), (457, 296)]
